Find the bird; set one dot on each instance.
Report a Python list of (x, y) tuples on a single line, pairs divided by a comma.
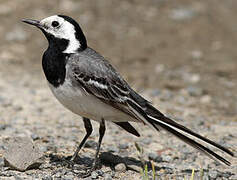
[(84, 82)]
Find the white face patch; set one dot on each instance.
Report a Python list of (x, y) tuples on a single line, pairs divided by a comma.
[(64, 30)]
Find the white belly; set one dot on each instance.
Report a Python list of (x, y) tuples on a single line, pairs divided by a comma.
[(86, 105)]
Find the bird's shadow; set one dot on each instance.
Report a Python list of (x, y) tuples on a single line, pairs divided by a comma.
[(106, 158)]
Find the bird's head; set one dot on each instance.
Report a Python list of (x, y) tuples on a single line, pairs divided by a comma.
[(63, 33)]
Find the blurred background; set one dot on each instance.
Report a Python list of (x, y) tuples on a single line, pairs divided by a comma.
[(180, 54)]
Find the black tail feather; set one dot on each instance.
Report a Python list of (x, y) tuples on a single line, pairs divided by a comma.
[(181, 127), (157, 120), (191, 142)]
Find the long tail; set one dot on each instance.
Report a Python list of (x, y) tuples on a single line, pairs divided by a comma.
[(156, 119)]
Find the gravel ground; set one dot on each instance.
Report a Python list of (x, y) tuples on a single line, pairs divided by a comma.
[(178, 54)]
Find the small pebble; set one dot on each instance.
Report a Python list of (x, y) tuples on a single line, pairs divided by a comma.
[(155, 92), (68, 177), (166, 158), (195, 91), (234, 177), (123, 146), (226, 174), (120, 167), (100, 172), (94, 175), (2, 162), (57, 175), (155, 157), (47, 177), (112, 149), (90, 144), (35, 137), (108, 177), (146, 141), (213, 174)]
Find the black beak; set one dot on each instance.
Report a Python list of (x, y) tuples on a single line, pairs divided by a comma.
[(32, 22)]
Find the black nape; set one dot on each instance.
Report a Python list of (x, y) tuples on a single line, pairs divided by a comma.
[(78, 34)]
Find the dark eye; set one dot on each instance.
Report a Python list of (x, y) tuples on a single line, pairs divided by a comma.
[(55, 23)]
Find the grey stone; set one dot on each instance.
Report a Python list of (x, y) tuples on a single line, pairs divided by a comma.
[(146, 141), (166, 95), (123, 146), (100, 172), (2, 162), (213, 174), (57, 175), (108, 177), (21, 153), (68, 177), (226, 174), (195, 91), (234, 177), (3, 126), (90, 144), (47, 177), (94, 175), (155, 92), (155, 157), (35, 137), (166, 158), (112, 149), (134, 167), (120, 167)]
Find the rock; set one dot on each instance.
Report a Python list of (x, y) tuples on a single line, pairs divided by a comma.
[(47, 177), (108, 177), (68, 177), (166, 158), (155, 92), (226, 174), (166, 95), (94, 175), (21, 153), (195, 91), (1, 162), (100, 172), (35, 137), (123, 146), (90, 144), (120, 167), (146, 141), (213, 174), (134, 167), (234, 177), (155, 157), (112, 149)]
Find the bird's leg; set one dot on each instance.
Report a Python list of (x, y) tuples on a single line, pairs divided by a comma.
[(102, 133), (88, 127)]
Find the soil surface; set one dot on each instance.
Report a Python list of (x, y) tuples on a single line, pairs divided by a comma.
[(179, 54)]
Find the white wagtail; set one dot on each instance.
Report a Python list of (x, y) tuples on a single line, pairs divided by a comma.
[(88, 85)]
